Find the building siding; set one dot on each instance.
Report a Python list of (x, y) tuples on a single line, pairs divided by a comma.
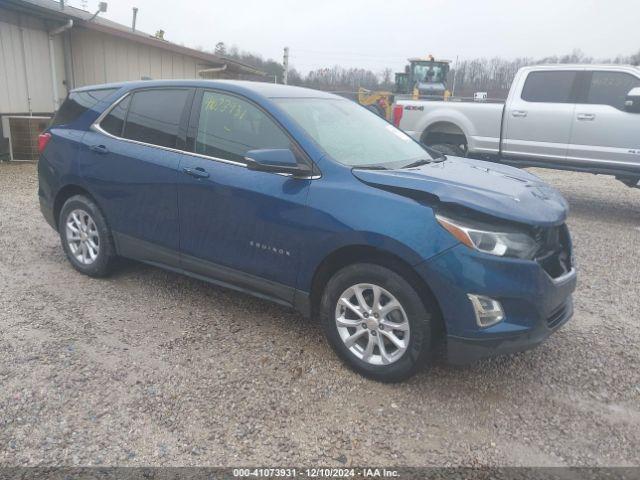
[(100, 58), (93, 53), (25, 75), (96, 57)]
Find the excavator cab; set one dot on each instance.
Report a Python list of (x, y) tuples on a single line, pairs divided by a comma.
[(424, 77), (429, 76)]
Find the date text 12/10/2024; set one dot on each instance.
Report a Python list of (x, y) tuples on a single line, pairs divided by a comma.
[(315, 472)]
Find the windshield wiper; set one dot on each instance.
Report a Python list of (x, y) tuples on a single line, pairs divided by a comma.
[(372, 166), (417, 163)]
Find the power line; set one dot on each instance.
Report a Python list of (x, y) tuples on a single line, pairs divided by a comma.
[(312, 64), (353, 54)]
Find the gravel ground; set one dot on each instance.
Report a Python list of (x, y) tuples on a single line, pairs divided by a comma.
[(153, 368)]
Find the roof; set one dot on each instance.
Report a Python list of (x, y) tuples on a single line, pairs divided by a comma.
[(427, 59), (51, 10), (582, 66), (264, 89)]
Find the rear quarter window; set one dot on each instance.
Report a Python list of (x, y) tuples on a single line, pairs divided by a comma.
[(113, 123), (77, 103)]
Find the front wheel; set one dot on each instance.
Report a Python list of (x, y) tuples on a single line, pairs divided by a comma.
[(376, 322)]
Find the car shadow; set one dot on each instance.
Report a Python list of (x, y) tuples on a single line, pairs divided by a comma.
[(167, 281), (587, 207), (285, 322)]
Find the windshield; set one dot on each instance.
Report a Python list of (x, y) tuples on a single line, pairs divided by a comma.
[(351, 134), (432, 73)]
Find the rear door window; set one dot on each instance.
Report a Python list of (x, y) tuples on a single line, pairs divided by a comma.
[(154, 116), (229, 127), (549, 87), (611, 88), (77, 103)]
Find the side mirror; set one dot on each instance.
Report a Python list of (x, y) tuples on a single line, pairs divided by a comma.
[(276, 160), (632, 102)]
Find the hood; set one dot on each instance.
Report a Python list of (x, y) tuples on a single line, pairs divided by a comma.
[(498, 190)]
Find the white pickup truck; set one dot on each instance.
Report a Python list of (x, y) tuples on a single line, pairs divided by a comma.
[(568, 117)]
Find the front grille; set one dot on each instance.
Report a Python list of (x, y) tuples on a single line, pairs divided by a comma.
[(557, 316), (554, 255)]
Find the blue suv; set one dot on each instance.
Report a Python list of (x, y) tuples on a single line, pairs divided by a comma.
[(309, 200)]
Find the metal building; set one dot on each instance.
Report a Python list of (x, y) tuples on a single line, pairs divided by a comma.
[(48, 48)]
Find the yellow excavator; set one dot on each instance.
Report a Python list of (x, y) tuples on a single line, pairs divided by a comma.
[(379, 101), (423, 78)]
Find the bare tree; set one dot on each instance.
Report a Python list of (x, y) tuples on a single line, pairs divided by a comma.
[(387, 78), (220, 49), (493, 75)]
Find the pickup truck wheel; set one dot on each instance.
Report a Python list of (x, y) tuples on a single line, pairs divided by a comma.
[(376, 322), (449, 149)]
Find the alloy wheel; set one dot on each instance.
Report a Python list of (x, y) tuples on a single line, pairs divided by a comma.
[(82, 237), (372, 324)]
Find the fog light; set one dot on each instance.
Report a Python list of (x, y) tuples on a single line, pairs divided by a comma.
[(488, 311)]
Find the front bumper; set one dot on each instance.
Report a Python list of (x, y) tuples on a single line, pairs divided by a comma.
[(461, 350), (535, 305)]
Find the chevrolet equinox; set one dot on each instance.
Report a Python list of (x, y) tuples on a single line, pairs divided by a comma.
[(311, 201)]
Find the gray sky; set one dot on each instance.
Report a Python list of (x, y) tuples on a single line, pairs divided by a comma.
[(375, 33)]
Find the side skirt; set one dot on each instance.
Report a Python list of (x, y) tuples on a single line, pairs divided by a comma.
[(210, 272)]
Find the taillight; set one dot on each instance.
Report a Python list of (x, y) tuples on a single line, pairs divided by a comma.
[(43, 139), (397, 115)]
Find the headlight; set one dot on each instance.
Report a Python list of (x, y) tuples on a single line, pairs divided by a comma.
[(498, 240)]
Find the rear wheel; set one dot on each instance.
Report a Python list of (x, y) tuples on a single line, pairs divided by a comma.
[(376, 322), (86, 237), (449, 149)]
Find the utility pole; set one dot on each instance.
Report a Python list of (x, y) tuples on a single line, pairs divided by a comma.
[(285, 64), (455, 72)]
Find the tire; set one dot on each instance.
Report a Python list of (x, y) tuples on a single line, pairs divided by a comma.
[(413, 311), (633, 182), (97, 257), (448, 149)]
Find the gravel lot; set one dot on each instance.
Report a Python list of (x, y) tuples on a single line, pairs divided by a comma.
[(153, 368)]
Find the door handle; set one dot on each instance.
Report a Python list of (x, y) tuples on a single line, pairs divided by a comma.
[(519, 113), (586, 116), (197, 172), (101, 149)]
